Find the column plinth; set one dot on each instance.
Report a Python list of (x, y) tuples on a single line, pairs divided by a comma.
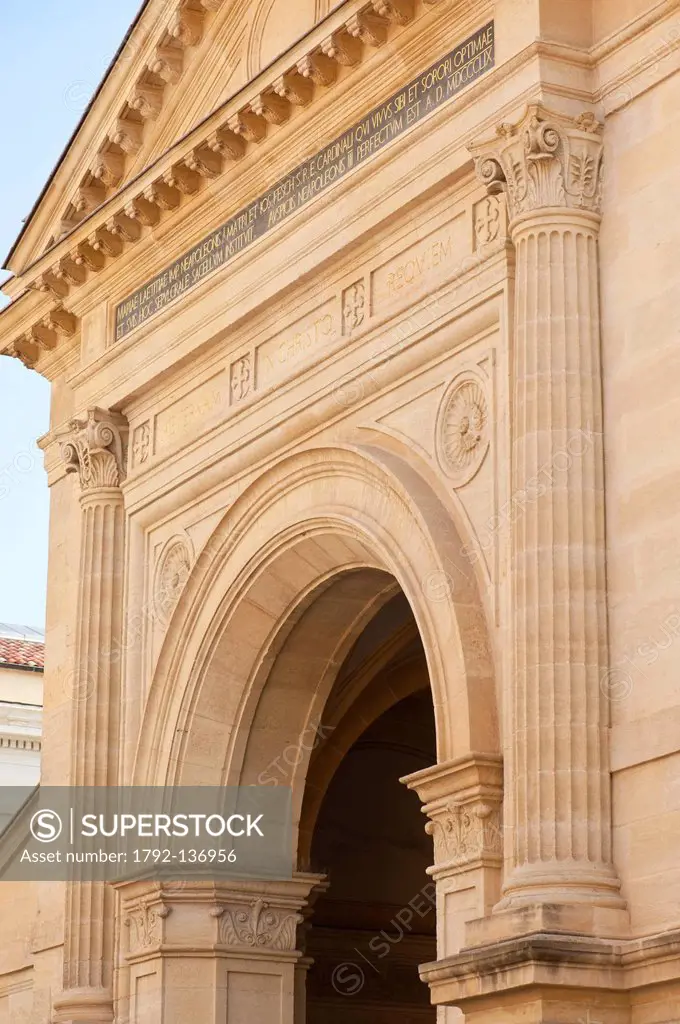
[(95, 449)]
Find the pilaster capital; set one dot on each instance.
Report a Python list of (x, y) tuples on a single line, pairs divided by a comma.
[(96, 448), (543, 162), (244, 917), (462, 799)]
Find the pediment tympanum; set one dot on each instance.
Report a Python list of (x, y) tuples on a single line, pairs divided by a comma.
[(181, 60)]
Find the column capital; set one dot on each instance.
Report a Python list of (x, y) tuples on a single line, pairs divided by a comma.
[(95, 447), (462, 799), (545, 161)]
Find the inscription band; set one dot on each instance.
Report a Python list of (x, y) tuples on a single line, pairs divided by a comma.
[(386, 122)]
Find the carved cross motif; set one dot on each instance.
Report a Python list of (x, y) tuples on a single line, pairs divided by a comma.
[(140, 444), (353, 307), (241, 378), (487, 220), (95, 448)]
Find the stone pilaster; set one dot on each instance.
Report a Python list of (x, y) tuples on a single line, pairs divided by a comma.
[(462, 800), (549, 167), (95, 449), (214, 951)]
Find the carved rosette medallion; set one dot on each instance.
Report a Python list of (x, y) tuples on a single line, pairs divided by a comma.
[(546, 160), (172, 573), (463, 428), (258, 924), (96, 448)]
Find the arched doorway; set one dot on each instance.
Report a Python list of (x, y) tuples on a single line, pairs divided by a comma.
[(334, 601), (376, 923)]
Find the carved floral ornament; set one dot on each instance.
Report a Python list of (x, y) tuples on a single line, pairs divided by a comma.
[(96, 448), (544, 161), (463, 433), (465, 833), (146, 926), (258, 924)]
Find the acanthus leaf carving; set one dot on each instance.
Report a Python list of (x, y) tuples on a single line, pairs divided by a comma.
[(146, 926), (95, 448), (258, 924), (544, 161), (463, 833)]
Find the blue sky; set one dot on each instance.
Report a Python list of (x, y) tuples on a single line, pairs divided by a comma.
[(53, 54)]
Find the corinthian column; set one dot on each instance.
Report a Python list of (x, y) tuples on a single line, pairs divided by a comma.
[(549, 167), (95, 449)]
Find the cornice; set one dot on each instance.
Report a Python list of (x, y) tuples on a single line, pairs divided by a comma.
[(253, 442), (262, 108), (639, 57), (152, 62), (632, 30), (35, 329)]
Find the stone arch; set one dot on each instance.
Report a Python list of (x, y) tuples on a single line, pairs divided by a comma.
[(306, 555)]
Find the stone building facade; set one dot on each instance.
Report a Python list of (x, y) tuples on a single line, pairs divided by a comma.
[(22, 655), (362, 332)]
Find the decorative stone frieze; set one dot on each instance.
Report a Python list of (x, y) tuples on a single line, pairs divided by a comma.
[(463, 834)]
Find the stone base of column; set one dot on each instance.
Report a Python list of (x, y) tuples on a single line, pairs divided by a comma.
[(558, 965), (83, 1006), (534, 978), (562, 882)]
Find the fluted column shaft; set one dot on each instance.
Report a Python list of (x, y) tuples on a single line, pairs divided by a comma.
[(550, 169), (95, 449)]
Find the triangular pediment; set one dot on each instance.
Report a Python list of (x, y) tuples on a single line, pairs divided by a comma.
[(181, 60)]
